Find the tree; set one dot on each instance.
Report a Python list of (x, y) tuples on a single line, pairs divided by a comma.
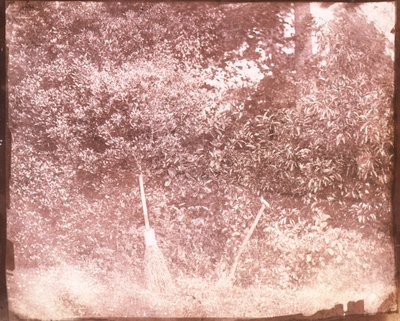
[(92, 100), (303, 27), (205, 110)]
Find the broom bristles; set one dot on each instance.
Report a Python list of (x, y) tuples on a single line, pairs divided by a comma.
[(158, 278)]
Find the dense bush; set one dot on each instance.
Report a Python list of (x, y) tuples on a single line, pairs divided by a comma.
[(213, 115)]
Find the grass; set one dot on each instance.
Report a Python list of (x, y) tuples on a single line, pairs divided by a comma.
[(364, 272)]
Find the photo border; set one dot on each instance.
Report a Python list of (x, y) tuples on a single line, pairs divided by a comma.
[(334, 313)]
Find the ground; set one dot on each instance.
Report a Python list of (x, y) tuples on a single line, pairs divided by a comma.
[(310, 263)]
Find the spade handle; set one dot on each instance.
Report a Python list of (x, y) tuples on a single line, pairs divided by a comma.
[(144, 206)]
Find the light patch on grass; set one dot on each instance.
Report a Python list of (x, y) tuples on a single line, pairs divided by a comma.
[(55, 292)]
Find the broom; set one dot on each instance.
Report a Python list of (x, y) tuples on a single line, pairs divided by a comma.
[(157, 276)]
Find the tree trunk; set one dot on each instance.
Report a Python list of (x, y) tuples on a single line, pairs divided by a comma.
[(302, 25)]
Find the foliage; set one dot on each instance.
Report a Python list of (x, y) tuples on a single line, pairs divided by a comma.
[(93, 122), (213, 116)]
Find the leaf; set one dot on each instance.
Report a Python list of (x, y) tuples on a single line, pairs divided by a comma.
[(171, 172)]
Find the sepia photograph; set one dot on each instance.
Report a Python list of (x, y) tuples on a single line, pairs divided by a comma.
[(198, 159)]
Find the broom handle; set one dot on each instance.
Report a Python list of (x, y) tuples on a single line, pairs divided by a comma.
[(143, 197)]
